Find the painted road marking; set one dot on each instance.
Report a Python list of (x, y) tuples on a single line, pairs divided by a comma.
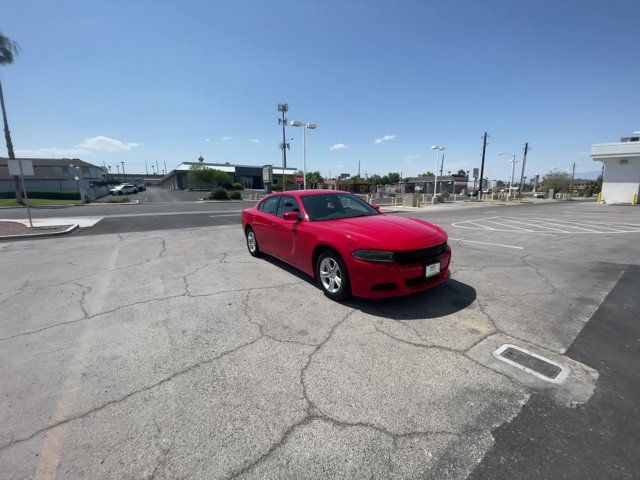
[(486, 243), (543, 226)]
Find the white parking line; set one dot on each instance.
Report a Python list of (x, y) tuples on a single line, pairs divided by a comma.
[(539, 226), (486, 243), (224, 215)]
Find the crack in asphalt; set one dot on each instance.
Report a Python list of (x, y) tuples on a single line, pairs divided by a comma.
[(123, 398), (245, 310)]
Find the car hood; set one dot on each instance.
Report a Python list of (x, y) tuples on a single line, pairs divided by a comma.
[(388, 232)]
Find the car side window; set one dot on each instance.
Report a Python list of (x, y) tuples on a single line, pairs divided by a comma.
[(287, 204), (270, 205)]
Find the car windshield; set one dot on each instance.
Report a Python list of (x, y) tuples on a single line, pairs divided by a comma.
[(333, 206)]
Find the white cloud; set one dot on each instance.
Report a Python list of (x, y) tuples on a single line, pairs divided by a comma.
[(106, 144), (254, 140), (386, 138), (99, 143), (408, 159), (339, 167), (226, 138), (47, 152), (207, 139), (338, 146)]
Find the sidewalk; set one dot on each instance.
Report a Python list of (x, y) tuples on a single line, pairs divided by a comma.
[(12, 229)]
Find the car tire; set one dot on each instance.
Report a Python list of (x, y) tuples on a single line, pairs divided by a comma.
[(252, 243), (119, 193), (332, 276)]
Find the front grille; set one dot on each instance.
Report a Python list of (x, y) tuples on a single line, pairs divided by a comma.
[(424, 255), (384, 286)]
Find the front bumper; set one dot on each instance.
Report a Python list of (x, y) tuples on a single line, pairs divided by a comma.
[(384, 280)]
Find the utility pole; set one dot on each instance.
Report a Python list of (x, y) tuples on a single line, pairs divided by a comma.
[(283, 108), (122, 169), (165, 167), (146, 168), (573, 172), (358, 168), (524, 161), (157, 168), (441, 164), (484, 150)]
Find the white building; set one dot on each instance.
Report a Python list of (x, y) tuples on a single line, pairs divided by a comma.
[(621, 181)]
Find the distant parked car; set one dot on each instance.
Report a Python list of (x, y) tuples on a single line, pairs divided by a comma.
[(538, 195), (141, 187), (124, 189)]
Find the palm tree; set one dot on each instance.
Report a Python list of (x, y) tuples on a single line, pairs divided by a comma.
[(8, 51)]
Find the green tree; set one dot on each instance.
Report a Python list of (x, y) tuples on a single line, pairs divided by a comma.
[(394, 177), (314, 179), (427, 174), (203, 176), (375, 179), (462, 172), (8, 51), (558, 181)]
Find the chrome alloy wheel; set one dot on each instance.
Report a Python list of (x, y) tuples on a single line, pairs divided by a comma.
[(330, 275), (251, 241)]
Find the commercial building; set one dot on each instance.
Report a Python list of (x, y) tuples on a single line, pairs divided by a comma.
[(621, 160), (55, 175), (249, 176)]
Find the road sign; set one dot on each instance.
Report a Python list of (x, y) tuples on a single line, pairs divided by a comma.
[(299, 179), (475, 173), (14, 167)]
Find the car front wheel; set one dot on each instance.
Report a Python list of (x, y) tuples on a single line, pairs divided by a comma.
[(252, 243), (333, 277)]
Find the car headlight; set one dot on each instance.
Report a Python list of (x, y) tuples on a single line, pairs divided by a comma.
[(374, 256)]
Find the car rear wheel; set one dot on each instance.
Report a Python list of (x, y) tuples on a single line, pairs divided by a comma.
[(252, 243), (333, 276)]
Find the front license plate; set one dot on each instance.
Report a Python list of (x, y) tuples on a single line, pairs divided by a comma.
[(432, 270)]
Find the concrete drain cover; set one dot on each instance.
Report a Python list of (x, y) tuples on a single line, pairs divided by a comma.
[(532, 363)]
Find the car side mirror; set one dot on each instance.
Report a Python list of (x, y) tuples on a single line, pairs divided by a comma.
[(375, 206), (290, 216)]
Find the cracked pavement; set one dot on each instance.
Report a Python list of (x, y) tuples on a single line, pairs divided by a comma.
[(174, 354)]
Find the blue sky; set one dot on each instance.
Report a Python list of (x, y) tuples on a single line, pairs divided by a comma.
[(156, 80)]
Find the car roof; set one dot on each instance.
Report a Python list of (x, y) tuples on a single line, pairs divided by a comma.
[(307, 193)]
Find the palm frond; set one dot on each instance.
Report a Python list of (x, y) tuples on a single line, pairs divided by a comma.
[(8, 50)]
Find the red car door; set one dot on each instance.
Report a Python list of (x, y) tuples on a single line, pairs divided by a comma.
[(285, 231), (263, 224)]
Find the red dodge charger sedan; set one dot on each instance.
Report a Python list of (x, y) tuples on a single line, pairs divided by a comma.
[(349, 246)]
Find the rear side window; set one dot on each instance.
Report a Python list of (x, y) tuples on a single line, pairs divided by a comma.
[(270, 205), (287, 204)]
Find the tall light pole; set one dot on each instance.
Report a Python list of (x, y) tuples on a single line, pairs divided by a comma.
[(513, 162), (304, 126), (438, 149), (283, 108)]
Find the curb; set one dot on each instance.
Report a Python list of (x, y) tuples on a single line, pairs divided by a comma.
[(72, 228)]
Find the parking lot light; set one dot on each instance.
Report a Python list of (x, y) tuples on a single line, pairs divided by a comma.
[(437, 148), (304, 126), (513, 162)]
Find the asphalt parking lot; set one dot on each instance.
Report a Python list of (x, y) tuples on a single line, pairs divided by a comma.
[(171, 353)]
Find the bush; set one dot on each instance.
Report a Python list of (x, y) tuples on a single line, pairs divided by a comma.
[(228, 185), (237, 186), (235, 195), (219, 194)]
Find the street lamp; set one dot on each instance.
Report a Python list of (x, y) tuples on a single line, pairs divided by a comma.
[(438, 149), (76, 178), (304, 126), (513, 162)]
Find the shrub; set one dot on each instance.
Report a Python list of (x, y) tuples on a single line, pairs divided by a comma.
[(219, 194), (237, 186), (228, 185), (235, 195)]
